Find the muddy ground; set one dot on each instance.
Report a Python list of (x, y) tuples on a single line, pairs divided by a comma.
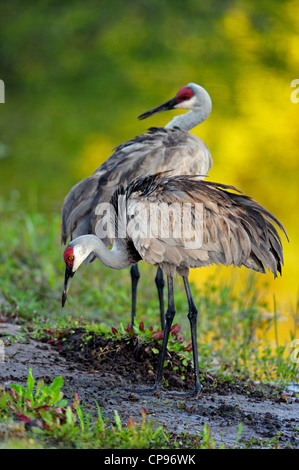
[(110, 371)]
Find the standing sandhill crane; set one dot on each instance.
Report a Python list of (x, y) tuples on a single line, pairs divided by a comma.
[(162, 148), (235, 230)]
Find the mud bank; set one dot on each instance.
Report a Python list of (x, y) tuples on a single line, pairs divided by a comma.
[(109, 371)]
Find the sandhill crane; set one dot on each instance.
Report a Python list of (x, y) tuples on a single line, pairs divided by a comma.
[(161, 148), (235, 230)]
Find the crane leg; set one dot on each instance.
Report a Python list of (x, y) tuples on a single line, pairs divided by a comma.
[(135, 275), (160, 283), (169, 316), (192, 316)]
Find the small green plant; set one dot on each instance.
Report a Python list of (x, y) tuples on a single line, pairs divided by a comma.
[(208, 442), (50, 417), (29, 403)]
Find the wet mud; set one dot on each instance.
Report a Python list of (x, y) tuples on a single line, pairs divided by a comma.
[(111, 370)]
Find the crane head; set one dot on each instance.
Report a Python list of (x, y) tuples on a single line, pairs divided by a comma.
[(69, 259), (183, 99)]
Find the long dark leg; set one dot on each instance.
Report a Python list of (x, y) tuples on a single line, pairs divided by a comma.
[(192, 315), (169, 316), (135, 275), (160, 283)]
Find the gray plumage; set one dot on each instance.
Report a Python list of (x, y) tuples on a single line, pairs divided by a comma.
[(237, 230)]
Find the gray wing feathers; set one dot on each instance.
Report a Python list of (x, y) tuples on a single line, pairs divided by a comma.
[(76, 205), (236, 229)]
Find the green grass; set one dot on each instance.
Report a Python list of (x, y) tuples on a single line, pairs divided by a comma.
[(31, 280), (55, 423)]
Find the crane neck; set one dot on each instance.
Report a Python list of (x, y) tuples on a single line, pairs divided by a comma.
[(115, 258), (187, 121)]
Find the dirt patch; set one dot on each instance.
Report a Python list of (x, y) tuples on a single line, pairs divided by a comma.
[(110, 370)]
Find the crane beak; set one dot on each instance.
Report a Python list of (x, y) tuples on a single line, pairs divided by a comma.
[(67, 281), (159, 109)]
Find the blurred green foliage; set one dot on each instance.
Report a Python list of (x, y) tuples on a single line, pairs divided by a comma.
[(77, 74)]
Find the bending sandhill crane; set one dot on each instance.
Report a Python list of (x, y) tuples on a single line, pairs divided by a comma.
[(162, 148), (236, 231)]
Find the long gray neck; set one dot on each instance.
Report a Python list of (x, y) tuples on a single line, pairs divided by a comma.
[(116, 258), (186, 122)]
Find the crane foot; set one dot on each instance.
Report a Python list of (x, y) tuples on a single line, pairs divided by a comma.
[(155, 390), (195, 393)]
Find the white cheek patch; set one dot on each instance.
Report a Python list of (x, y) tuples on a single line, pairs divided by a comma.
[(187, 104), (79, 257)]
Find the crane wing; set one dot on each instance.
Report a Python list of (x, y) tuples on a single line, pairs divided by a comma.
[(236, 230)]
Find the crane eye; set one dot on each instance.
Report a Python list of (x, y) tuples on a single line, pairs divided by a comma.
[(70, 258)]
